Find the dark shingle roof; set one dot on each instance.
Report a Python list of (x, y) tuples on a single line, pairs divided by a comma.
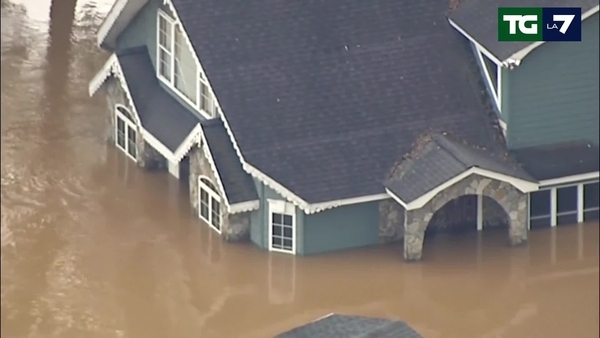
[(170, 122), (479, 18), (238, 185), (340, 326), (324, 96), (440, 159), (559, 160), (160, 114)]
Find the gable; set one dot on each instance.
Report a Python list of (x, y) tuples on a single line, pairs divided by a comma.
[(477, 21), (156, 26), (117, 19), (336, 92)]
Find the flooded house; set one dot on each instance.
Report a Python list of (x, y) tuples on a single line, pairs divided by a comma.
[(313, 126)]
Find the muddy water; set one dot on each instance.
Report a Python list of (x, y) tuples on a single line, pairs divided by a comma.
[(92, 247)]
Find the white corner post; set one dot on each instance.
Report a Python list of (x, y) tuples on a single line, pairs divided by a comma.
[(553, 207), (580, 201), (173, 168), (479, 212)]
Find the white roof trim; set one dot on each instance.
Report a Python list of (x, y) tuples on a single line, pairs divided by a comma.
[(104, 73), (570, 179), (301, 203), (280, 189), (109, 21), (522, 185), (322, 206), (148, 137), (477, 44), (157, 145), (209, 157), (520, 55), (517, 57), (112, 67), (118, 18), (244, 207), (193, 137), (325, 316), (396, 198)]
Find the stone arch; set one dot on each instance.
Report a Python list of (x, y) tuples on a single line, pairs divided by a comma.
[(461, 214), (513, 201)]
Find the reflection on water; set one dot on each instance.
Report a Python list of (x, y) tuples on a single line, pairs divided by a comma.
[(92, 247)]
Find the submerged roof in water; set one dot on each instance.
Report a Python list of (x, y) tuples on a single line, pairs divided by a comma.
[(342, 326)]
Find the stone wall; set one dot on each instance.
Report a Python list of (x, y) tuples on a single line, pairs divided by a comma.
[(512, 201), (391, 221), (494, 214), (147, 157), (235, 227), (391, 218)]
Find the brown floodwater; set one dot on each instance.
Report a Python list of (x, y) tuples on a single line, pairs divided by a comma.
[(93, 247)]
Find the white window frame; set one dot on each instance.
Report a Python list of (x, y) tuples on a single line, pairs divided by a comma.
[(212, 196), (283, 208), (496, 89), (554, 204), (128, 125), (170, 82)]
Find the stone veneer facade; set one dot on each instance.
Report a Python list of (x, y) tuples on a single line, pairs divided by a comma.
[(234, 227), (147, 157), (391, 218), (391, 221), (512, 201)]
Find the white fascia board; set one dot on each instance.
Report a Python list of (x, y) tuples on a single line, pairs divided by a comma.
[(206, 150), (244, 207), (117, 71), (177, 21), (517, 57), (476, 43), (104, 73), (118, 18), (322, 206), (284, 192), (278, 188), (192, 138), (157, 145), (520, 55), (396, 198), (113, 67), (488, 77), (522, 185), (109, 21), (570, 179)]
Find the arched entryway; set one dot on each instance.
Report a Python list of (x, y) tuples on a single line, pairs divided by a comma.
[(512, 201), (462, 214)]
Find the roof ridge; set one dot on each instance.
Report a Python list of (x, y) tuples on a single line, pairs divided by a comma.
[(445, 145)]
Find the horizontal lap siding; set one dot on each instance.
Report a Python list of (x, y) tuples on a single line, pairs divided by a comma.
[(553, 95), (341, 228), (259, 226)]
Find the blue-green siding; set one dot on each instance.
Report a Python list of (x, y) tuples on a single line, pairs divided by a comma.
[(141, 31), (553, 96), (341, 228), (259, 231)]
